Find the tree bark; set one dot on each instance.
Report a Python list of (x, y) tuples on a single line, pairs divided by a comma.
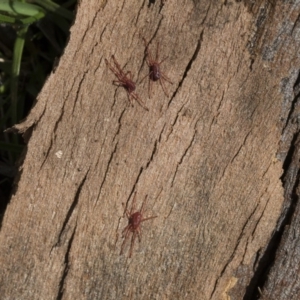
[(210, 156)]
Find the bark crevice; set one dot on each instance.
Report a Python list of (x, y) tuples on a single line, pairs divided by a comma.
[(188, 67), (66, 268)]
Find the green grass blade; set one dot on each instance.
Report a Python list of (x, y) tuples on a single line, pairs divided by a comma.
[(17, 56), (8, 19), (20, 8), (55, 8)]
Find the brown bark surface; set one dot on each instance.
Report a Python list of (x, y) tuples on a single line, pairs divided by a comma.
[(281, 279), (206, 156)]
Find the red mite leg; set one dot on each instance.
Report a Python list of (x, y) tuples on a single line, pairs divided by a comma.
[(135, 218), (155, 73), (126, 82)]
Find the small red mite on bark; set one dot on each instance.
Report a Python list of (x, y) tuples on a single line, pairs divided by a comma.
[(126, 82), (135, 218), (155, 72)]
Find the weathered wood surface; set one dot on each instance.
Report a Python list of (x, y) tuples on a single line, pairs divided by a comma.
[(280, 277), (206, 156)]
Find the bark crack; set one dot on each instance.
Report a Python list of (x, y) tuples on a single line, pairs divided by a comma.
[(188, 67), (78, 89), (241, 146), (293, 105), (139, 13), (55, 128), (107, 169), (154, 150), (237, 244), (71, 210), (156, 30), (217, 112), (32, 119), (175, 120), (123, 4), (184, 154), (66, 269), (152, 154), (133, 187), (290, 181), (256, 223), (53, 137), (119, 125), (46, 155)]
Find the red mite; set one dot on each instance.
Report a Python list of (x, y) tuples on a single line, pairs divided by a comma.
[(126, 82), (155, 72), (134, 224)]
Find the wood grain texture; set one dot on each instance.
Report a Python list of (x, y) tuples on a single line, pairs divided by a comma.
[(205, 156)]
